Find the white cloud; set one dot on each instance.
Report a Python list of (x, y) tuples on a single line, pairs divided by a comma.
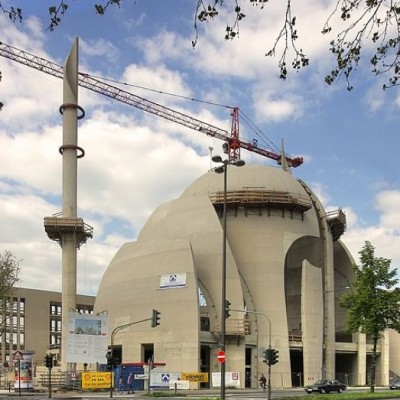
[(159, 78), (385, 236), (135, 161), (99, 48)]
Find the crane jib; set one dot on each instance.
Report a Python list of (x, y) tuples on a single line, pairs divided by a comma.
[(141, 103)]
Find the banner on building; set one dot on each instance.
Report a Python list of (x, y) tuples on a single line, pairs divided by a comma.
[(171, 281), (232, 379), (87, 338), (96, 380), (162, 379), (195, 376)]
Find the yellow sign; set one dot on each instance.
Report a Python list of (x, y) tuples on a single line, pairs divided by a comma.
[(96, 380), (195, 376)]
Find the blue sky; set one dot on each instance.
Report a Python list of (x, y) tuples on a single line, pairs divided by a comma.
[(135, 161)]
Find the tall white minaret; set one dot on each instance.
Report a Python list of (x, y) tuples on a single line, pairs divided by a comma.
[(67, 229)]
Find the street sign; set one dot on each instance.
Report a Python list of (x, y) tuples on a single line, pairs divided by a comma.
[(141, 376), (18, 356), (221, 356)]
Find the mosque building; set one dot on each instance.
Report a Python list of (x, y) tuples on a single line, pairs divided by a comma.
[(285, 271)]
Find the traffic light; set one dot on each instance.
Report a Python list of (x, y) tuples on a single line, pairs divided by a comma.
[(116, 361), (274, 357), (155, 319), (227, 308), (109, 360), (48, 361), (267, 355)]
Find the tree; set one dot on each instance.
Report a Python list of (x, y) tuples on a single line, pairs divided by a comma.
[(374, 304), (9, 273), (367, 22), (9, 277)]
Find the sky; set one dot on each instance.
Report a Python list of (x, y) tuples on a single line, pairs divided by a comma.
[(135, 161)]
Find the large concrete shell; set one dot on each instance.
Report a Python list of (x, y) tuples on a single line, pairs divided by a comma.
[(285, 265)]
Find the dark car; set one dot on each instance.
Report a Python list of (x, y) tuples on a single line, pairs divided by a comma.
[(395, 385), (326, 386)]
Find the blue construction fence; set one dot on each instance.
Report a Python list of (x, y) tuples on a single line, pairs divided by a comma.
[(123, 371)]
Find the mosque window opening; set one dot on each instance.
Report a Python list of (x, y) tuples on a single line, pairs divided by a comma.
[(205, 323), (202, 299), (147, 350)]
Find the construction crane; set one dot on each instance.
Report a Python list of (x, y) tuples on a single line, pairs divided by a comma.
[(232, 140)]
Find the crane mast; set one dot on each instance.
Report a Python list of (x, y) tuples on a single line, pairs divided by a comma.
[(115, 93)]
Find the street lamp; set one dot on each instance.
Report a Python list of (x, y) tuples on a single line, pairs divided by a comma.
[(219, 170)]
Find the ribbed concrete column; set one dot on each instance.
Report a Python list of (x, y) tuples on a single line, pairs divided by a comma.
[(361, 366), (329, 306)]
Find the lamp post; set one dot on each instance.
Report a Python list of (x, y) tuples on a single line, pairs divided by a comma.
[(224, 169)]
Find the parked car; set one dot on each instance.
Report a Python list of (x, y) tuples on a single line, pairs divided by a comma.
[(326, 386), (395, 385)]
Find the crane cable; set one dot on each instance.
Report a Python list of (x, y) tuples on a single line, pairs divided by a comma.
[(257, 131)]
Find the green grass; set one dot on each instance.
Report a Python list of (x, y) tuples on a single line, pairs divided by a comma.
[(330, 396), (170, 393), (347, 396)]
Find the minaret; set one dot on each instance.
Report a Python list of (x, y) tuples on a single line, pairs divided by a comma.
[(67, 229), (284, 162)]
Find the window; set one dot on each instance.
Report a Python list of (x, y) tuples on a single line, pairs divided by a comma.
[(55, 308)]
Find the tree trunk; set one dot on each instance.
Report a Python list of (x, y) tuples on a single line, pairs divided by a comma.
[(373, 365)]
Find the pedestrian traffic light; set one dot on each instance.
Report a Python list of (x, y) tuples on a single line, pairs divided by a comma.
[(227, 308), (48, 361), (274, 357), (155, 319)]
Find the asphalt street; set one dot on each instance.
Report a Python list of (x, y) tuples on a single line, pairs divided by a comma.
[(244, 394)]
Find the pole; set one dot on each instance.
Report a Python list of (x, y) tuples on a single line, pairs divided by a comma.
[(49, 372), (150, 366), (19, 378), (113, 333), (224, 169), (223, 291)]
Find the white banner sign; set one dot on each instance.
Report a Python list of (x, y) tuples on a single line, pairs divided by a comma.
[(170, 281), (232, 379), (87, 339), (182, 385)]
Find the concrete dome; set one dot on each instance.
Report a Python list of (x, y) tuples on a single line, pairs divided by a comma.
[(248, 176), (281, 256)]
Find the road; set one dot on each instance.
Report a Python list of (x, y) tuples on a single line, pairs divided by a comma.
[(246, 394)]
